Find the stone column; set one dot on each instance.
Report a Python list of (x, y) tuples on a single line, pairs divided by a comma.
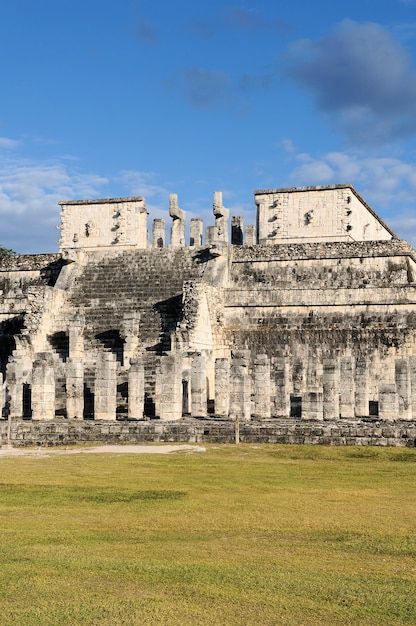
[(250, 235), (142, 240), (211, 234), (158, 385), (361, 388), (43, 387), (136, 389), (75, 368), (221, 218), (198, 386), (388, 402), (222, 387), (262, 385), (129, 331), (158, 233), (347, 387), (240, 388), (74, 389), (14, 389), (237, 230), (312, 406), (197, 227), (171, 387), (281, 375), (76, 338), (330, 388), (177, 233), (298, 376), (403, 388), (105, 387), (412, 365), (2, 394)]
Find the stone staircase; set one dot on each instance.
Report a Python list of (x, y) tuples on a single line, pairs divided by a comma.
[(147, 281)]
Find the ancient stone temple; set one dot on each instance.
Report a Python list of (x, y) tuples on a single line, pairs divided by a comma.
[(310, 314)]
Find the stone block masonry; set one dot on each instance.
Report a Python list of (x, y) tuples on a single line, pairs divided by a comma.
[(305, 321), (350, 433)]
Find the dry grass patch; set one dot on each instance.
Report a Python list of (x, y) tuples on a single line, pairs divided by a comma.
[(237, 535)]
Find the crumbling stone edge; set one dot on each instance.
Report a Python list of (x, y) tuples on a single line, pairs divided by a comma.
[(278, 431)]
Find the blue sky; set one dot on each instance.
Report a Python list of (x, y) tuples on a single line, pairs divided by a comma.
[(108, 98)]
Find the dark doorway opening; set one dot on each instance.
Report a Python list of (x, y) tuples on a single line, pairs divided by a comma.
[(185, 397), (88, 403), (295, 406), (27, 401), (373, 408)]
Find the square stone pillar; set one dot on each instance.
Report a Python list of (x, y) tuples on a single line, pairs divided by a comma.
[(362, 395), (142, 239), (74, 389), (76, 338), (197, 227), (198, 386), (171, 387), (136, 389), (105, 387), (240, 387), (14, 389), (412, 367), (250, 235), (347, 387), (221, 218), (331, 388), (43, 387), (222, 387), (158, 385), (2, 394), (129, 331), (237, 230), (403, 389), (177, 231), (313, 368), (388, 403), (312, 406), (158, 233), (262, 387), (211, 234), (281, 375)]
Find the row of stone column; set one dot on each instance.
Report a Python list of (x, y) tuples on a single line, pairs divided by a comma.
[(337, 387), (218, 232), (43, 388), (239, 234), (347, 386)]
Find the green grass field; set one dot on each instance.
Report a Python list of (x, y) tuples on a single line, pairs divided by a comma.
[(243, 535)]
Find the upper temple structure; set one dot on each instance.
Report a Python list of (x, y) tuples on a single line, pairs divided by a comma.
[(308, 314)]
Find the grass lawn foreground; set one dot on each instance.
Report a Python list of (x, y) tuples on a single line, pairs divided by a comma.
[(236, 535)]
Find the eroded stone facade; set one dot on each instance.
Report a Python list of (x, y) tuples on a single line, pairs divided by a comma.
[(310, 315)]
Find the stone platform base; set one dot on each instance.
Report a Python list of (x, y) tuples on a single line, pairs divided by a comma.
[(343, 433)]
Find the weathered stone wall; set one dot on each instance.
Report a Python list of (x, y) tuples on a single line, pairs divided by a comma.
[(337, 321), (68, 433), (23, 281), (109, 223), (332, 213)]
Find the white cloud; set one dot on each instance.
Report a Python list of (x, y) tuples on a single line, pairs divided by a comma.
[(8, 144), (142, 183), (385, 178), (361, 77), (29, 196), (287, 145), (30, 192)]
